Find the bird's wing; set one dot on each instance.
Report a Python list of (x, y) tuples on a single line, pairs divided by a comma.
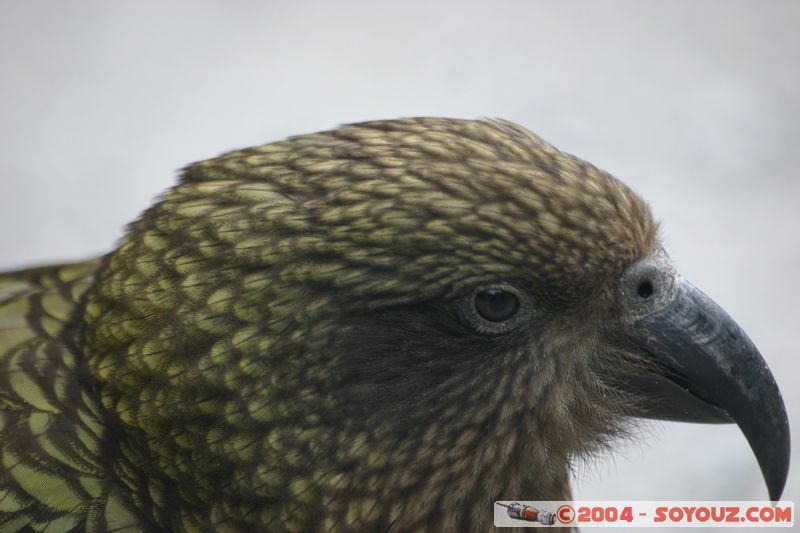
[(51, 476)]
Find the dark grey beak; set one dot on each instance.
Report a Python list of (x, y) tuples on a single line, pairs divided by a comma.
[(708, 370)]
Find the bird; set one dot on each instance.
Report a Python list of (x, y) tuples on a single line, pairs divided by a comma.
[(387, 326)]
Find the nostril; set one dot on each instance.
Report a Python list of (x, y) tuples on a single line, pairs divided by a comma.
[(645, 289)]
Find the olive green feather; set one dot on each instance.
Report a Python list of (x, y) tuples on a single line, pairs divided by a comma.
[(274, 346)]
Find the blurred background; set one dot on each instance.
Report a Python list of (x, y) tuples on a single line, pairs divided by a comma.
[(695, 104)]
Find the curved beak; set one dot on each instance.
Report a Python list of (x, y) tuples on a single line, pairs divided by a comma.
[(710, 371)]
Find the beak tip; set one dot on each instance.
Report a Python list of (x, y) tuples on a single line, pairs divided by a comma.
[(776, 473)]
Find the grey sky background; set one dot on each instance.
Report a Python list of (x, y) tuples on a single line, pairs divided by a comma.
[(695, 104)]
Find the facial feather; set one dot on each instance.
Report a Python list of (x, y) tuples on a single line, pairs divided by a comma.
[(282, 331)]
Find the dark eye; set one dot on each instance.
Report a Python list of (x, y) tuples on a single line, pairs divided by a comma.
[(496, 305), (495, 308)]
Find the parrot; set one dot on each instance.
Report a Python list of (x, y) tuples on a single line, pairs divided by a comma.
[(387, 326)]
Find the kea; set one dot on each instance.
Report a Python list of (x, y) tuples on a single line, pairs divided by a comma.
[(384, 327)]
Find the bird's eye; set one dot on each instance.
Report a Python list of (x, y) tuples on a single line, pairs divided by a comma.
[(495, 308), (496, 305)]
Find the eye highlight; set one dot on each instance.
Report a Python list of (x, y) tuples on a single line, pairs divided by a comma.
[(496, 305)]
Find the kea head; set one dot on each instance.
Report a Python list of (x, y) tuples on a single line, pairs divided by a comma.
[(396, 323)]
